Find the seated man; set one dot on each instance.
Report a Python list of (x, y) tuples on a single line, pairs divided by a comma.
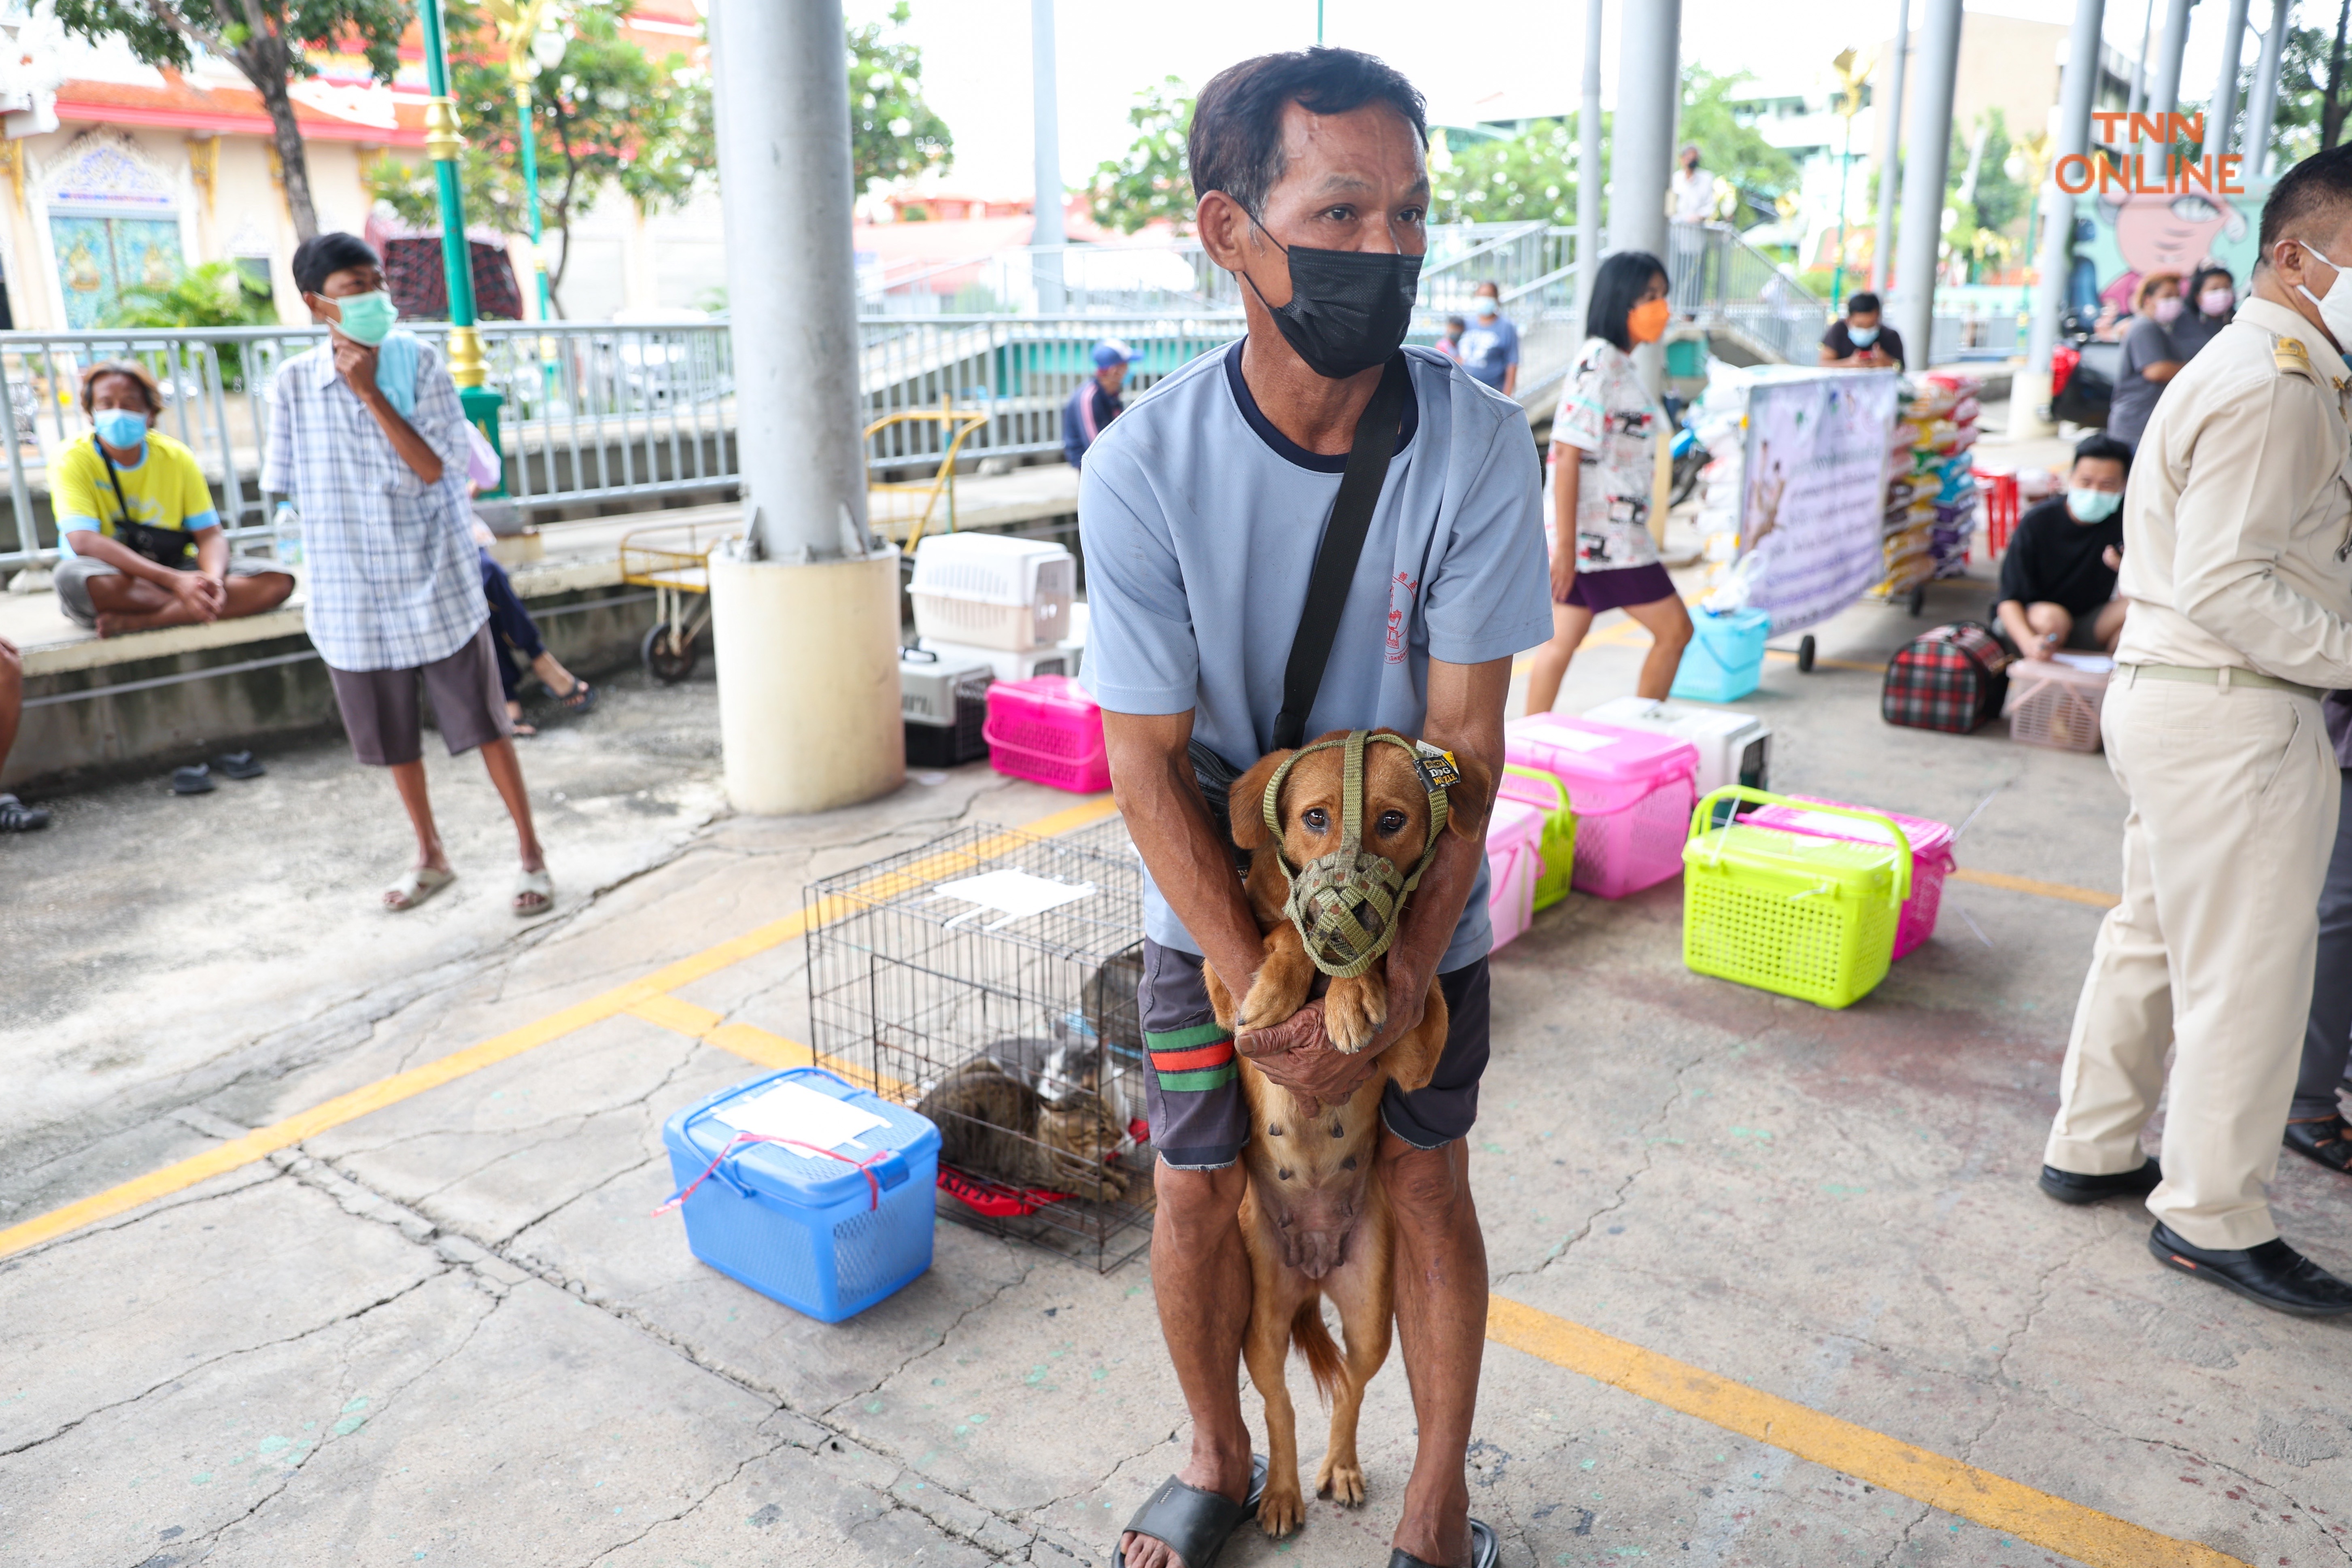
[(1860, 340), (142, 545), (1094, 403), (2058, 579)]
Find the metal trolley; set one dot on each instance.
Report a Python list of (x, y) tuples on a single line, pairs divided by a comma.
[(674, 560)]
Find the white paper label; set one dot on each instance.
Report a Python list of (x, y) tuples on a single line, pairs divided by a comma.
[(2088, 663), (799, 1112), (1016, 894), (1579, 740)]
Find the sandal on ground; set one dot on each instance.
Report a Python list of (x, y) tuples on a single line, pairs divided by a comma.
[(2325, 1140), (416, 884), (16, 816), (1485, 1550), (1192, 1524), (534, 894), (581, 701), (194, 779), (239, 765), (523, 731)]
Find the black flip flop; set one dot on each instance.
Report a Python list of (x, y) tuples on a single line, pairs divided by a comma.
[(1485, 1550), (1192, 1524), (239, 765), (194, 779), (581, 701)]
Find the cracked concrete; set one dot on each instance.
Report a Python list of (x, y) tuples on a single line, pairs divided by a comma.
[(455, 1330)]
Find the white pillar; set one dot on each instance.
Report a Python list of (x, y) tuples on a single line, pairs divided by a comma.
[(2164, 87), (1642, 151), (1588, 165), (2263, 107), (806, 615), (1047, 114), (1890, 151), (1929, 136), (2223, 109), (2076, 94), (2136, 101)]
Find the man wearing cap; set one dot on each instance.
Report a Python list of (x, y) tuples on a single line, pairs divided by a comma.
[(2238, 563), (1095, 404)]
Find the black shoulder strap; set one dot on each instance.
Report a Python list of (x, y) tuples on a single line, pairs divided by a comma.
[(1343, 542), (107, 459)]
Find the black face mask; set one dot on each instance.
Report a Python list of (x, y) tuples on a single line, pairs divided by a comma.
[(1349, 309)]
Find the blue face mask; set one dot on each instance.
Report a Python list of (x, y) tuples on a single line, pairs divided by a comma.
[(1486, 307), (2093, 506), (1861, 337), (121, 429)]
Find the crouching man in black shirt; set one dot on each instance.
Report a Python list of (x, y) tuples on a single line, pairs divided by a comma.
[(2058, 579)]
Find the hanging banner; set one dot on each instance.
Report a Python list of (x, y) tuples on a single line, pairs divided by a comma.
[(1815, 466)]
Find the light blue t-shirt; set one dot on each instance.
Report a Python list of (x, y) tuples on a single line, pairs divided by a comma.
[(1201, 522), (1488, 348)]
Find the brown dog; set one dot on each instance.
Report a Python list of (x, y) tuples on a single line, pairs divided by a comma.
[(1313, 1218)]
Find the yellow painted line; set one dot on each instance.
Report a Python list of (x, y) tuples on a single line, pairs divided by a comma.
[(2091, 896), (2085, 1534), (643, 996), (756, 1045), (1821, 663)]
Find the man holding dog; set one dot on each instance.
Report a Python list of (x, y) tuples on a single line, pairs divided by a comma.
[(1203, 508)]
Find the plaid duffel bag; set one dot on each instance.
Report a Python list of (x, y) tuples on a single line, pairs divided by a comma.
[(1952, 678)]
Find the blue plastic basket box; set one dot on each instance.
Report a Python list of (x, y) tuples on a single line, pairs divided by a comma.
[(1725, 661), (810, 1231)]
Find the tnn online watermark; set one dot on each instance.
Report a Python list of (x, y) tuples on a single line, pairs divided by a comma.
[(2222, 174)]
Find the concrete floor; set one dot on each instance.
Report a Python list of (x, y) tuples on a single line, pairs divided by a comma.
[(450, 1331)]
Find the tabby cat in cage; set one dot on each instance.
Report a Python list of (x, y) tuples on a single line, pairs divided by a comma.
[(992, 1123)]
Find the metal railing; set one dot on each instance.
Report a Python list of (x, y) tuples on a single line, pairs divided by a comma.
[(1726, 282), (593, 412)]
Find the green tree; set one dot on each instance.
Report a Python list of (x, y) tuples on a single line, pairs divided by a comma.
[(606, 115), (892, 133), (2304, 94), (265, 40), (216, 294), (1149, 183), (1511, 178), (1757, 170)]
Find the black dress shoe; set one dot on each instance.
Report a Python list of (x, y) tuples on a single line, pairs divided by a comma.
[(2070, 1187), (2274, 1274), (2327, 1142)]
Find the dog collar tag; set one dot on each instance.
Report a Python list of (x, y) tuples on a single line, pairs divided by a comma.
[(1437, 768)]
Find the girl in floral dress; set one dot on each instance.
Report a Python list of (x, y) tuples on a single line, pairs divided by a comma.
[(1604, 463)]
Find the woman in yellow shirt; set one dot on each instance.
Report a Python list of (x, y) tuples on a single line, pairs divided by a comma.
[(142, 545)]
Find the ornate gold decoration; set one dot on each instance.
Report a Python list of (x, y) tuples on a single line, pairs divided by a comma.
[(443, 140), (12, 163), (466, 357), (204, 164)]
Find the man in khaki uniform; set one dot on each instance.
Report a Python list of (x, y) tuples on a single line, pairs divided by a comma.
[(2238, 565)]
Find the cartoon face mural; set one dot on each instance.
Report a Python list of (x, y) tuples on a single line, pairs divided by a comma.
[(2155, 232)]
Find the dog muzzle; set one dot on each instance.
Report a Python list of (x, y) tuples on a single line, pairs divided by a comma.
[(1345, 903)]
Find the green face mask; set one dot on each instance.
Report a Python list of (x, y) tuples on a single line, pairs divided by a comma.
[(1345, 903), (367, 318)]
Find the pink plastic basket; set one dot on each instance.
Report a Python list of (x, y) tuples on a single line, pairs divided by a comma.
[(1634, 792), (1931, 856), (1047, 730), (1514, 863)]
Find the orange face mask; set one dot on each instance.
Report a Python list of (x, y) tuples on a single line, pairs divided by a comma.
[(1646, 322)]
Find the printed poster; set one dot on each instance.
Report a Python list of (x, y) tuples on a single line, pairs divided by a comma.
[(1815, 470)]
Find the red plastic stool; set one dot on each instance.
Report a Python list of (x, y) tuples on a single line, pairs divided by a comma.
[(1998, 487)]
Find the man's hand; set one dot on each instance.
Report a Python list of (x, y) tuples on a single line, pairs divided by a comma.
[(1297, 1056), (198, 593), (2039, 647), (355, 362), (2113, 557)]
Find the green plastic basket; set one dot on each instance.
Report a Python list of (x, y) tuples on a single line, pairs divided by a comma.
[(1557, 846), (1806, 917)]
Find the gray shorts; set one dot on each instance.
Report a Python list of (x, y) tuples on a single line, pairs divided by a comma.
[(73, 574), (1193, 1094), (386, 721)]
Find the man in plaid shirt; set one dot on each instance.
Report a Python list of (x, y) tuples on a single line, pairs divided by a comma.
[(367, 437)]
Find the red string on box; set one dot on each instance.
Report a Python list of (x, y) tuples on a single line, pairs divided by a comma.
[(865, 1167)]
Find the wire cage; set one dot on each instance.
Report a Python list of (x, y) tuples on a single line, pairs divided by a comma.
[(989, 978)]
